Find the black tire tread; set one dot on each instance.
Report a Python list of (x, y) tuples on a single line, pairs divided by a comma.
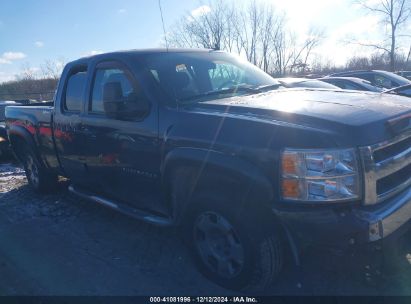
[(47, 180), (269, 257)]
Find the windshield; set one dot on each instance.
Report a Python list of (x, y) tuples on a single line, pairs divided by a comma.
[(195, 75)]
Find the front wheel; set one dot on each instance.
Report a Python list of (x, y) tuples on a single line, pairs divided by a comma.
[(235, 249)]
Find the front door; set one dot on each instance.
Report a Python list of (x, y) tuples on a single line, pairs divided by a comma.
[(123, 153)]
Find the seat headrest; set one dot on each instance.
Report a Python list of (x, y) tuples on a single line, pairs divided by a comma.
[(181, 80), (112, 91)]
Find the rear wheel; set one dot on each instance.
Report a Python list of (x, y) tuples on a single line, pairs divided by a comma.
[(37, 175), (237, 250)]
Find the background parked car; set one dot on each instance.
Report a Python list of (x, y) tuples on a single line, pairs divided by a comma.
[(403, 91), (4, 143), (405, 74), (305, 83), (352, 83), (377, 78)]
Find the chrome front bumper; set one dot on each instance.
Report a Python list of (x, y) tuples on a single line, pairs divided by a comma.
[(387, 219)]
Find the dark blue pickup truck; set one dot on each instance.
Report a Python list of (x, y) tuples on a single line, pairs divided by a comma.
[(251, 171)]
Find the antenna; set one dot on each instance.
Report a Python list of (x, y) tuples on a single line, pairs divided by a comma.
[(162, 22)]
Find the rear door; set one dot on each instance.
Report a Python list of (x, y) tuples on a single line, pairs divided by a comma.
[(69, 141), (123, 155)]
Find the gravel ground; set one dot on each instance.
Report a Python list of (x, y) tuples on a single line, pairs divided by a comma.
[(58, 244)]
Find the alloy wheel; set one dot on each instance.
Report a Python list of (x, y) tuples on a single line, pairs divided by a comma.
[(218, 244)]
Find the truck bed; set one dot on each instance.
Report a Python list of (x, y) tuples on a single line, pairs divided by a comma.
[(35, 121)]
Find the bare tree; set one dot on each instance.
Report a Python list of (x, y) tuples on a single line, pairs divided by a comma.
[(209, 29), (52, 68), (27, 72), (258, 32), (408, 58), (394, 14), (292, 55)]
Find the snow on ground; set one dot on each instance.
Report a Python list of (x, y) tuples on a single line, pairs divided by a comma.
[(11, 177)]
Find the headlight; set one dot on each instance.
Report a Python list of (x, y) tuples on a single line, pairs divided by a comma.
[(320, 175), (2, 139)]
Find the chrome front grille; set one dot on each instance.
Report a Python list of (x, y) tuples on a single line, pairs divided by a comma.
[(387, 168)]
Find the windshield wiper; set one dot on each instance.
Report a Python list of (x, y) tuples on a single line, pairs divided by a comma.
[(241, 89)]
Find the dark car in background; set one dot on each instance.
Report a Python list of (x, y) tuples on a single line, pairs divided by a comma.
[(5, 151), (4, 143), (402, 91), (377, 78), (352, 83), (305, 83), (405, 74)]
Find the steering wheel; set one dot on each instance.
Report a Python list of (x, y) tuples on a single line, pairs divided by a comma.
[(227, 83)]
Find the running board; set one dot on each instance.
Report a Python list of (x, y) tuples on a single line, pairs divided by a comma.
[(135, 213)]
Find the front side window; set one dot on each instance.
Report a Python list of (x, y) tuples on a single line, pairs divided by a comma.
[(109, 81)]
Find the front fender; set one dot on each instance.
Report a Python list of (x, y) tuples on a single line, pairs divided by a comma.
[(225, 167)]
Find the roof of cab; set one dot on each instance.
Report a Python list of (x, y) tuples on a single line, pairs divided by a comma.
[(141, 52)]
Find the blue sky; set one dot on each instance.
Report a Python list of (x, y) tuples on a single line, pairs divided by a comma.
[(33, 31)]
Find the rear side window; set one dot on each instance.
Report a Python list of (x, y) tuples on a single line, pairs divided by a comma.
[(76, 85)]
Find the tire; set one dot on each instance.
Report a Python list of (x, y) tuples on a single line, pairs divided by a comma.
[(37, 175), (236, 250)]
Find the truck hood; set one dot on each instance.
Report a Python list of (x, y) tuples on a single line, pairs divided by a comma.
[(364, 113)]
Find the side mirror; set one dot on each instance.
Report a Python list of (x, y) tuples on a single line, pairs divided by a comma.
[(118, 107)]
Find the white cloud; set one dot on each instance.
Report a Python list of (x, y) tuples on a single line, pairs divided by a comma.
[(121, 11), (39, 44), (92, 53), (9, 57), (199, 11), (13, 55)]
